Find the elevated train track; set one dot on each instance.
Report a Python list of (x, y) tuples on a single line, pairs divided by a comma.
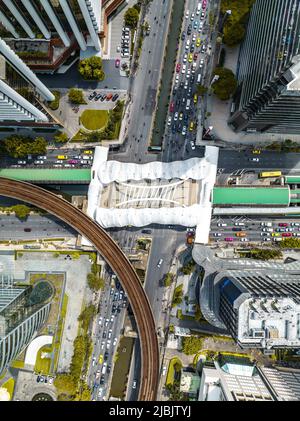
[(118, 262)]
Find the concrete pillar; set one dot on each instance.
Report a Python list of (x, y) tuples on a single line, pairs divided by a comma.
[(69, 15), (27, 4), (52, 16), (90, 26), (10, 5), (8, 25)]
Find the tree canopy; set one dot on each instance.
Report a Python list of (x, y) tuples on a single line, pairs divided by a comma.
[(191, 344), (76, 96), (131, 17), (18, 146), (91, 68), (226, 85), (233, 34), (234, 29), (21, 211), (61, 137)]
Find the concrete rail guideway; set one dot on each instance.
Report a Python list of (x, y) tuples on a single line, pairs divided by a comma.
[(115, 257)]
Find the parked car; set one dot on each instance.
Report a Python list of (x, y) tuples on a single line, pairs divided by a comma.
[(159, 263), (117, 62)]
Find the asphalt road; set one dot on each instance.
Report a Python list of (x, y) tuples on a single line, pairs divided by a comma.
[(12, 228)]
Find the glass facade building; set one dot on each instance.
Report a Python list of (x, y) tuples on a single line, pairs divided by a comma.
[(268, 94), (19, 321)]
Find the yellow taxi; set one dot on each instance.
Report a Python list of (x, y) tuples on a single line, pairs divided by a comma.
[(198, 42), (256, 151), (190, 57), (62, 156), (100, 359), (275, 234), (191, 126), (195, 98), (88, 152)]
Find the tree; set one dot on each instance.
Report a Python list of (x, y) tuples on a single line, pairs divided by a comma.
[(178, 295), (61, 137), (233, 34), (65, 384), (76, 96), (20, 146), (95, 282), (191, 344), (91, 68), (226, 85), (86, 316), (21, 211), (188, 267), (168, 279), (131, 17)]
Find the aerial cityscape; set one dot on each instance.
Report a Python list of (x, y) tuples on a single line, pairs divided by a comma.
[(150, 202)]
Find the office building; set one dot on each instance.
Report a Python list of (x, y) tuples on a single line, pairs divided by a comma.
[(19, 321), (268, 73), (49, 33), (260, 309)]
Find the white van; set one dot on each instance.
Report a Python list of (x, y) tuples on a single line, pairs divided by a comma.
[(199, 78), (103, 371), (198, 9), (188, 103)]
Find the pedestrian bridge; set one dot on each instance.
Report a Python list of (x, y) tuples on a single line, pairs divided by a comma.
[(48, 175)]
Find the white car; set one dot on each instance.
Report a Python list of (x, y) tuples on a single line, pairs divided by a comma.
[(38, 162), (192, 16), (169, 121), (217, 234), (100, 321), (265, 234), (59, 162), (222, 224), (185, 56), (183, 131), (186, 84), (201, 63), (134, 384), (202, 16), (188, 73), (183, 70), (200, 26), (193, 146), (102, 344), (108, 344), (194, 37), (115, 342), (187, 14), (295, 224), (244, 239), (239, 224), (254, 159), (100, 392), (41, 157), (159, 263), (22, 162), (267, 229), (176, 116), (177, 78), (164, 370), (267, 239)]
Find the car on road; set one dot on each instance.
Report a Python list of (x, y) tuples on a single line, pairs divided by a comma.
[(102, 344), (191, 127), (159, 263), (183, 36), (102, 379), (183, 131), (117, 63), (195, 98), (183, 70), (178, 65), (217, 234), (275, 234), (164, 370), (38, 162), (188, 43), (203, 48), (192, 16), (283, 224), (108, 344), (286, 234), (202, 16), (176, 116), (265, 234), (94, 361), (296, 234), (176, 78), (97, 97), (190, 58), (222, 224), (169, 121), (254, 159), (230, 239), (239, 224), (106, 355), (295, 224), (187, 14), (256, 151), (172, 107), (186, 84), (192, 48), (193, 146), (195, 57), (267, 229), (185, 56), (92, 95), (100, 360), (134, 383), (100, 391), (204, 3), (196, 23), (180, 116), (266, 224), (188, 73), (198, 42), (244, 239), (201, 63), (115, 97), (104, 335), (194, 38), (267, 239), (115, 341), (22, 162), (174, 128)]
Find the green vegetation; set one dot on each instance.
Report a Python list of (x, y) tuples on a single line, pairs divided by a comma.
[(188, 267), (43, 365), (94, 119), (9, 385), (76, 96), (222, 57), (287, 146), (21, 211), (86, 316), (42, 292), (143, 243), (121, 369), (95, 282), (198, 314), (262, 254), (226, 85), (131, 17), (91, 68), (201, 90), (19, 146), (112, 129), (178, 295), (290, 243), (168, 279), (54, 105), (191, 344), (175, 366), (171, 329), (234, 27), (61, 137)]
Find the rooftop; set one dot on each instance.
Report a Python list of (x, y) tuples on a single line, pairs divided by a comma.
[(251, 196)]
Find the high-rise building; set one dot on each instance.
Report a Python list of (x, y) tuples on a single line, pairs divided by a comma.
[(19, 321), (48, 34), (268, 94), (260, 309)]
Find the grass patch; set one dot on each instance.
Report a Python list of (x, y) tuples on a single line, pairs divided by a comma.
[(60, 327), (42, 365), (121, 369), (175, 365), (10, 386), (94, 119)]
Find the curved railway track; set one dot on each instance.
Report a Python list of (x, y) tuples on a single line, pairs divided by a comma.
[(118, 262)]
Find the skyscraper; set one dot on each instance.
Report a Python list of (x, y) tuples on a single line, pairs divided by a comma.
[(19, 321), (268, 94)]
